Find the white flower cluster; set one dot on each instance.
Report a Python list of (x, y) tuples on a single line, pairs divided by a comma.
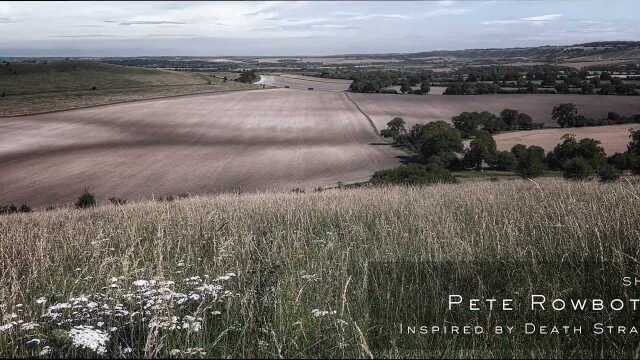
[(91, 320)]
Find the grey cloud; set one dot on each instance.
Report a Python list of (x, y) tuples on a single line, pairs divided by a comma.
[(159, 22), (4, 20), (145, 22), (83, 36), (531, 20)]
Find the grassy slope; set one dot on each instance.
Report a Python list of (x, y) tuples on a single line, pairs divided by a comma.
[(31, 88), (281, 238)]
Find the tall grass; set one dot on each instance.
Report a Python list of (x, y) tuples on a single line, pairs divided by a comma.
[(294, 294)]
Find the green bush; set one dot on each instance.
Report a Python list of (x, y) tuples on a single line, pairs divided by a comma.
[(86, 200), (609, 173), (530, 161), (413, 175), (504, 160), (577, 169)]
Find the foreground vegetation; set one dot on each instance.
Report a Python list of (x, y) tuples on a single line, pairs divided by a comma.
[(277, 275)]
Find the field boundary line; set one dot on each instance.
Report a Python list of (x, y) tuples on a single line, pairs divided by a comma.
[(373, 125), (128, 101)]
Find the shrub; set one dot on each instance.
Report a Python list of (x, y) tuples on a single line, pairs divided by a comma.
[(504, 160), (12, 209), (86, 200), (413, 175), (635, 164), (620, 161), (530, 161), (577, 169), (117, 201), (609, 173), (8, 209)]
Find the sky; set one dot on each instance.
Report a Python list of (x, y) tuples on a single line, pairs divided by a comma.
[(292, 28)]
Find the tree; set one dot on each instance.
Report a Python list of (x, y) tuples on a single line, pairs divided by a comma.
[(530, 163), (438, 138), (634, 145), (609, 173), (509, 117), (395, 128), (605, 76), (562, 88), (607, 89), (248, 76), (86, 200), (466, 122), (482, 149), (425, 87), (524, 121), (405, 87), (587, 149), (505, 161), (577, 169), (565, 114), (587, 88), (519, 151)]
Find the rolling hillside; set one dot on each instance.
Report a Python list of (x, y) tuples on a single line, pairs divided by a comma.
[(32, 88)]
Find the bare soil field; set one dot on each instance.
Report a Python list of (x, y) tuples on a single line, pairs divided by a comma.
[(304, 82), (244, 141), (614, 138), (422, 109)]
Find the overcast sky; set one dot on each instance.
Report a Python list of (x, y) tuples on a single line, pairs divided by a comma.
[(305, 28)]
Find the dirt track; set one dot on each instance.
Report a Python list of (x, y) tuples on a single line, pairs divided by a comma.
[(273, 139), (422, 109), (614, 138)]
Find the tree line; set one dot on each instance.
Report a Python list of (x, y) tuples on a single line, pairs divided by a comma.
[(440, 149)]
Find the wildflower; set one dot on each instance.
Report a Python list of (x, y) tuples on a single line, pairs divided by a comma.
[(311, 277), (89, 338), (321, 313), (41, 300), (141, 283), (45, 351), (29, 326), (175, 352), (33, 343)]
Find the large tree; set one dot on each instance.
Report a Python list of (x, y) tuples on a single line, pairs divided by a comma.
[(439, 138), (565, 114)]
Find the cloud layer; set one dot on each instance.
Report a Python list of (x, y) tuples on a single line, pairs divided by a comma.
[(304, 28)]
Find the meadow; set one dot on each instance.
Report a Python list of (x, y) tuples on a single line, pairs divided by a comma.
[(280, 274)]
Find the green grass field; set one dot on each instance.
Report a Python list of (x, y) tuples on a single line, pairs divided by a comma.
[(276, 274), (32, 88)]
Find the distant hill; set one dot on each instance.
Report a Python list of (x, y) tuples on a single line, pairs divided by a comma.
[(627, 50)]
